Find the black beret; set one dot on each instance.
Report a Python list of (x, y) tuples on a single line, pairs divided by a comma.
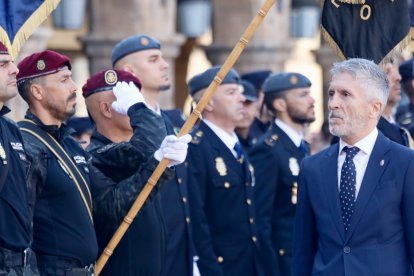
[(133, 44), (285, 81), (80, 124), (257, 78), (407, 70), (203, 80), (249, 92)]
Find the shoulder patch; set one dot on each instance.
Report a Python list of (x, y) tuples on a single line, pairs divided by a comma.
[(271, 141)]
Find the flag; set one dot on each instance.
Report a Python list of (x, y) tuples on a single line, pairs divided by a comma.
[(20, 18), (371, 29)]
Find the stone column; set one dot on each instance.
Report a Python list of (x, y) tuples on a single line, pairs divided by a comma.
[(112, 21), (269, 46)]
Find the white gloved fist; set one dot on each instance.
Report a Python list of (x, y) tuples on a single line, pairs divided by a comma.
[(126, 94), (174, 149)]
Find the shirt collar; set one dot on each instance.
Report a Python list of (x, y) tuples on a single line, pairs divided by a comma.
[(227, 139), (290, 132), (366, 144), (57, 132)]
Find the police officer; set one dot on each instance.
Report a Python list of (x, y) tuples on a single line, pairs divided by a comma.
[(261, 122), (221, 190), (126, 136), (249, 115), (405, 113), (16, 257), (141, 55), (276, 158)]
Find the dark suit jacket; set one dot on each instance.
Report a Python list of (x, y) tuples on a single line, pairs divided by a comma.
[(221, 201), (380, 240), (276, 160)]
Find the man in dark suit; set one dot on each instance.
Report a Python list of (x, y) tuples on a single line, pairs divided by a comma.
[(354, 214), (221, 190), (276, 158)]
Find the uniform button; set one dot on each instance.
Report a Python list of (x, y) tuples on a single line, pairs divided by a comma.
[(187, 219), (226, 185), (220, 259), (251, 220), (347, 249), (247, 184), (180, 180), (184, 199), (249, 201), (254, 239), (281, 252)]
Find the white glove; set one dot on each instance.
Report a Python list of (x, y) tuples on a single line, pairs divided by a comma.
[(174, 149), (126, 95)]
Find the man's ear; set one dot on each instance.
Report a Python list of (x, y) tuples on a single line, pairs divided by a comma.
[(106, 109), (210, 105), (375, 109), (128, 68), (280, 105), (36, 92)]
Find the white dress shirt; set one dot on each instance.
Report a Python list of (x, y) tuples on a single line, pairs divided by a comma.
[(295, 136), (227, 139), (361, 159)]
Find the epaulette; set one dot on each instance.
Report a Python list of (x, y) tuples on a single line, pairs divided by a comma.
[(271, 141), (197, 137), (106, 147)]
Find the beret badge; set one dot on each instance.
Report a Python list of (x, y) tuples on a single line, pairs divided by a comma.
[(294, 80), (41, 65), (144, 41), (111, 77)]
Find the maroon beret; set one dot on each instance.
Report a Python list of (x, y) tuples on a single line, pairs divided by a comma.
[(3, 49), (41, 64), (106, 80)]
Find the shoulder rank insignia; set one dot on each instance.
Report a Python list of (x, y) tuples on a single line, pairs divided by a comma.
[(3, 154), (221, 166), (196, 137), (294, 166), (271, 140)]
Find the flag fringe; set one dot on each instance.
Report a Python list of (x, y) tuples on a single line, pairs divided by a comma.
[(328, 38), (31, 24)]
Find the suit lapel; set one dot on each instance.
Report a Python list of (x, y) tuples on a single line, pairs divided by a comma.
[(331, 187), (377, 164)]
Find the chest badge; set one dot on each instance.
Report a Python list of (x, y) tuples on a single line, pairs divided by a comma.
[(3, 154), (221, 166), (294, 166)]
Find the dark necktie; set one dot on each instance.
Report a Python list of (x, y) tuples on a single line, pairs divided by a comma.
[(304, 147), (348, 186), (239, 151)]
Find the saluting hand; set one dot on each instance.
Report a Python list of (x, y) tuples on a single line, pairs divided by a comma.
[(126, 94), (174, 149)]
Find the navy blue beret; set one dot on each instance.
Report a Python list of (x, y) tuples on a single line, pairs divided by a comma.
[(285, 81), (133, 44), (407, 70), (249, 92), (257, 78), (203, 80), (80, 124)]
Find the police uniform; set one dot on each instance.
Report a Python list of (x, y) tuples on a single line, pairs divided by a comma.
[(63, 234), (276, 160), (15, 226), (405, 113), (174, 198), (257, 78), (221, 200), (142, 250)]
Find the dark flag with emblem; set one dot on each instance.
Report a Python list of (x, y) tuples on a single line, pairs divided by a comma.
[(370, 29), (20, 18)]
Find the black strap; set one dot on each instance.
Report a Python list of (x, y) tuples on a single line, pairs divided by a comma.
[(6, 144), (60, 153)]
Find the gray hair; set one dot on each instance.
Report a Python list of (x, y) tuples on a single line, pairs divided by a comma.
[(370, 76)]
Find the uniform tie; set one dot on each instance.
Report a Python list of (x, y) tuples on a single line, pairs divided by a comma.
[(304, 147), (239, 151), (348, 186)]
